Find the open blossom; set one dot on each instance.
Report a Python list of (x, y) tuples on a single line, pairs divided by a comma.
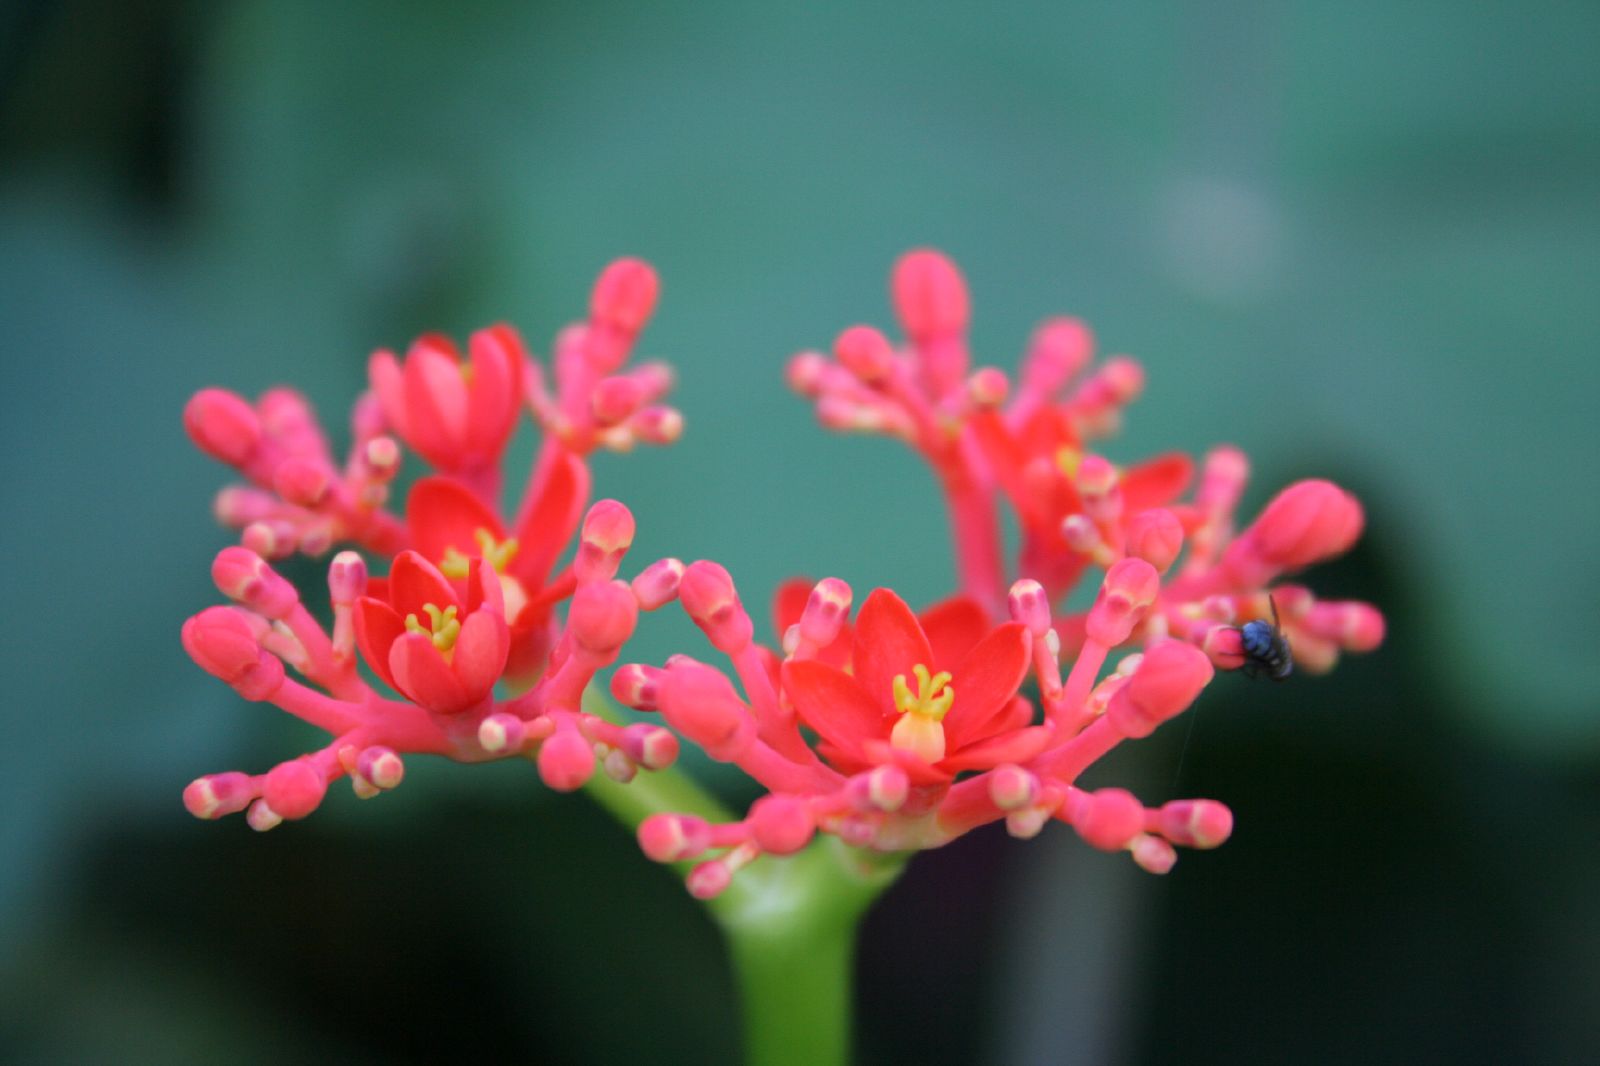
[(901, 704), (441, 650), (457, 414)]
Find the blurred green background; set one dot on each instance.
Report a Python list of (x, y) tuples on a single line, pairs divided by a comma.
[(1361, 240)]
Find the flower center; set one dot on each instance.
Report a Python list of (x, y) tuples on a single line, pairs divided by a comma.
[(498, 554), (442, 627), (920, 729)]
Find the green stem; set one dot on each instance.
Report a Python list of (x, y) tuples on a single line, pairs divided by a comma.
[(790, 922), (791, 930)]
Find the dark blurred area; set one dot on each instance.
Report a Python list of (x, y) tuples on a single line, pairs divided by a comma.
[(1360, 240)]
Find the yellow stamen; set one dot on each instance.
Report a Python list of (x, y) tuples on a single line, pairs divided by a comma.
[(442, 627), (920, 729), (497, 553), (1067, 460)]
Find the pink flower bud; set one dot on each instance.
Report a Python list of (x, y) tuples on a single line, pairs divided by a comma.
[(607, 535), (381, 766), (1123, 377), (700, 703), (602, 617), (1108, 819), (1168, 680), (242, 575), (261, 817), (637, 685), (1224, 646), (657, 425), (781, 825), (1354, 626), (673, 837), (930, 295), (709, 879), (1030, 605), (215, 795), (223, 425), (1306, 522), (826, 610), (1059, 349), (1012, 787), (302, 481), (502, 732), (1156, 536), (566, 761), (1096, 476), (1130, 587), (650, 746), (805, 373), (708, 595), (657, 585), (294, 789), (1196, 823), (347, 577), (625, 295), (223, 643), (883, 788), (988, 387), (617, 398), (1153, 854), (864, 352)]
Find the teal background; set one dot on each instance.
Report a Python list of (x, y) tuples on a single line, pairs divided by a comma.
[(1361, 240)]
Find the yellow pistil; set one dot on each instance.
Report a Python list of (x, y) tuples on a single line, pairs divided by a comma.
[(497, 553), (442, 627), (920, 729), (1067, 460)]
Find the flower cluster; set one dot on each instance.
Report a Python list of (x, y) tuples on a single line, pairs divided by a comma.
[(892, 730), (469, 600)]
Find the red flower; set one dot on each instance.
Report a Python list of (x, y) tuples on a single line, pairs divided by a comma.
[(909, 703), (452, 528), (457, 415), (440, 650)]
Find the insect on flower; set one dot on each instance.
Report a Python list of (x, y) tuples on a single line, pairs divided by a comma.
[(1266, 649)]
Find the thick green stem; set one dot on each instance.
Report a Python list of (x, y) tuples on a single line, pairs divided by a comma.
[(790, 922), (791, 932)]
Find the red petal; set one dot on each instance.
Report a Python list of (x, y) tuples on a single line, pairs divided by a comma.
[(383, 370), (831, 702), (548, 523), (495, 395), (888, 642), (480, 655), (843, 761), (1156, 482), (436, 399), (443, 514), (954, 627), (1015, 713), (789, 602), (1017, 746), (986, 679), (413, 581), (377, 628), (422, 674)]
